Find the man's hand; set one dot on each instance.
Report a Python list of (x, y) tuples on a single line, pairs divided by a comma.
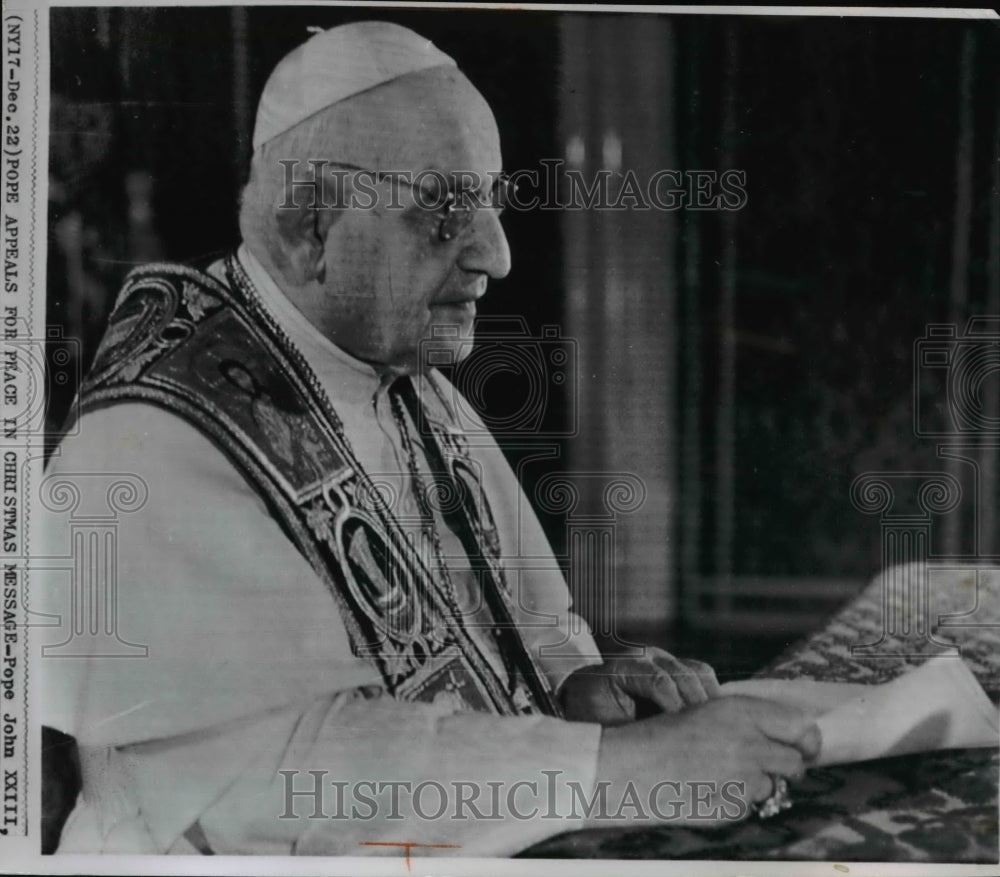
[(616, 691), (708, 764)]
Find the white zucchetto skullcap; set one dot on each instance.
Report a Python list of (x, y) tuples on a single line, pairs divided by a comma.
[(337, 64)]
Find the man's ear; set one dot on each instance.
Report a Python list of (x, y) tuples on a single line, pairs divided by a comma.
[(302, 231)]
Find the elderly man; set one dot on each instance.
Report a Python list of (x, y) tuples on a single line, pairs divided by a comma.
[(329, 585)]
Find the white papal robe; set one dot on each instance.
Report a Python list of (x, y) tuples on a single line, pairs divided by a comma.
[(248, 669)]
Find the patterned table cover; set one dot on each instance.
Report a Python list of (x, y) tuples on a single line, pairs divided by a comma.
[(937, 807)]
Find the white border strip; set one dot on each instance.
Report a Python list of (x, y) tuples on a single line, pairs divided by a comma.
[(290, 866)]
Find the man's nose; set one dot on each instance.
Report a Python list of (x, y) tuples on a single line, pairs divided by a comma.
[(485, 249)]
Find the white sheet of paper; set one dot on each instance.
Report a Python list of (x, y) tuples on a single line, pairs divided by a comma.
[(938, 705)]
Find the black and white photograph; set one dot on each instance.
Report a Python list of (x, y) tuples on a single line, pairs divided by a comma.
[(454, 439)]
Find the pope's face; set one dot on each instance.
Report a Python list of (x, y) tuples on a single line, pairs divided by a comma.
[(391, 283)]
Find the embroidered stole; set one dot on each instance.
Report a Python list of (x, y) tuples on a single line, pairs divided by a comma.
[(211, 353)]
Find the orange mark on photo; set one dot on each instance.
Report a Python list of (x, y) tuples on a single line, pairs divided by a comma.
[(408, 845)]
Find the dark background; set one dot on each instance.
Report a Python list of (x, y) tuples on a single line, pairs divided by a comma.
[(870, 148)]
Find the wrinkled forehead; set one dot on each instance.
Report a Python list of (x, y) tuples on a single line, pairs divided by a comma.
[(435, 119)]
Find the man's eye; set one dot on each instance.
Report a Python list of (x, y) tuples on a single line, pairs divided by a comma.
[(433, 199), (471, 200)]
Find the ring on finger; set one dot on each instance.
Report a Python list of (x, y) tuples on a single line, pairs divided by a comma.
[(778, 800)]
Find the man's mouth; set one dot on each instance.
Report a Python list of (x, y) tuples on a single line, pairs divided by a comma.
[(463, 297), (466, 304)]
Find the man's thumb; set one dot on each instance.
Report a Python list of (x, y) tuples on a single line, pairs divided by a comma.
[(787, 724)]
